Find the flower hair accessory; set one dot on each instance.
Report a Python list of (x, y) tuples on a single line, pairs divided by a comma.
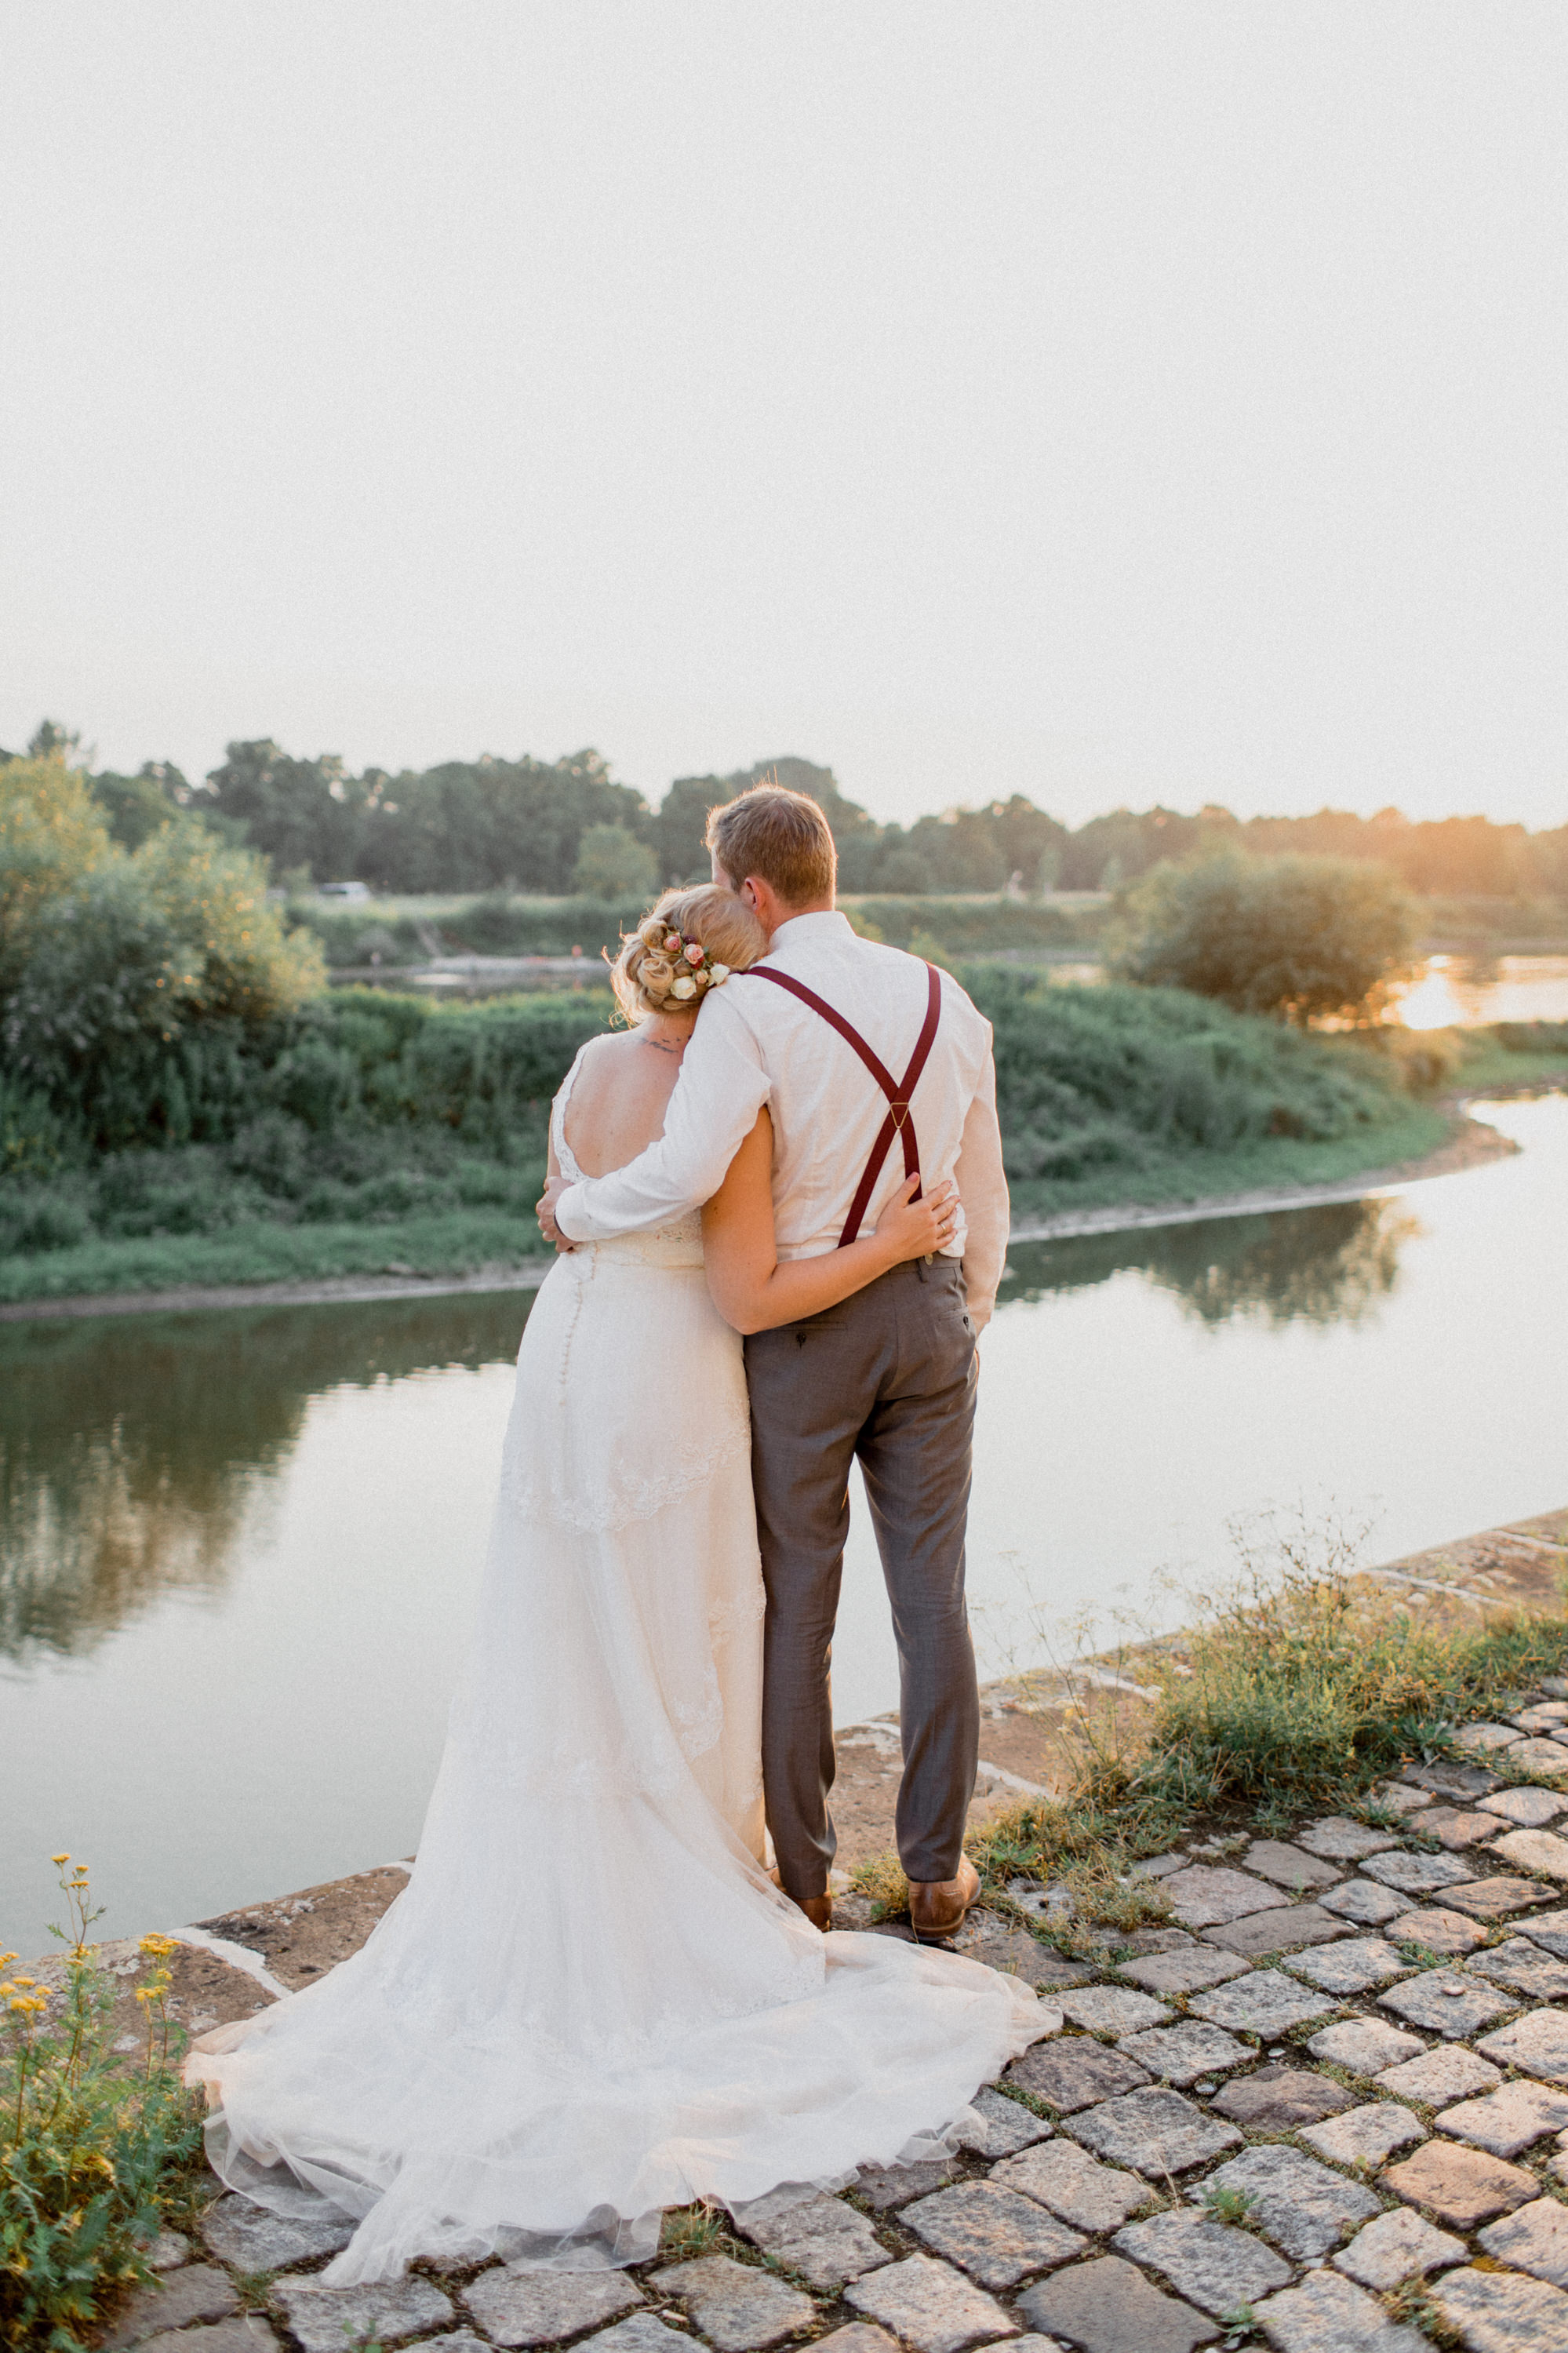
[(674, 966)]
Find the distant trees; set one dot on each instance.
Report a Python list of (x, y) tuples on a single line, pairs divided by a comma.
[(1303, 938), (614, 864)]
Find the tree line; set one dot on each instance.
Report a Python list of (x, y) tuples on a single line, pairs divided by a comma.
[(553, 826)]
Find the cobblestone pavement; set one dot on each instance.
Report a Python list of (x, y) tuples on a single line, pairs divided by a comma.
[(1326, 2114)]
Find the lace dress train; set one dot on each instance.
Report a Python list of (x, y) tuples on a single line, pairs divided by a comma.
[(590, 2002)]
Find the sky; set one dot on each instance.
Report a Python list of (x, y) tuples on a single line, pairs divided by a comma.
[(1110, 402)]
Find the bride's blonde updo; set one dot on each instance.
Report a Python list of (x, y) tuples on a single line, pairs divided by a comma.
[(690, 941)]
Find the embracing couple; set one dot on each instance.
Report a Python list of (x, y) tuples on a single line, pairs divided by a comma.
[(596, 2000)]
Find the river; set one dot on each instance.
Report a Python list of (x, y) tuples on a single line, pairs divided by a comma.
[(238, 1551)]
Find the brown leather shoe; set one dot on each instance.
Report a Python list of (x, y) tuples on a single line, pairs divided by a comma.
[(818, 1909), (937, 1906)]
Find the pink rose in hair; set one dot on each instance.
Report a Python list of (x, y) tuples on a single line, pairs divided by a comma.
[(694, 955), (672, 945)]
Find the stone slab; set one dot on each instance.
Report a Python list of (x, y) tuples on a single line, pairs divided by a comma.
[(1502, 2312), (325, 2319), (1437, 2077), (821, 2238), (1460, 2186), (1437, 1930), (1154, 2132), (1107, 2307), (1395, 1797), (252, 2240), (887, 2186), (1527, 1808), (1457, 1827), (641, 2333), (992, 2233), (1533, 2239), (1202, 1896), (1548, 1930), (1363, 2046), (1536, 2044), (1541, 1852), (1114, 2009), (861, 2336), (741, 2309), (1192, 1971), (1395, 2247), (1266, 2003), (1364, 1903), (1280, 2100), (1368, 2136), (1417, 1874), (1005, 2125), (1210, 2264), (1074, 2186), (168, 2251), (1507, 2120), (1277, 1932), (1180, 2054), (532, 2307), (1448, 2001), (1336, 1839), (1075, 2073), (930, 2305), (1480, 1739), (1327, 2313), (1300, 2205), (1351, 1967), (1545, 1756), (198, 2292), (1467, 1781), (1521, 1965), (1493, 1899), (1290, 1867), (245, 2333)]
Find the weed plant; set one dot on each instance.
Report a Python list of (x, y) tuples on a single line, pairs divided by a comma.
[(95, 2147)]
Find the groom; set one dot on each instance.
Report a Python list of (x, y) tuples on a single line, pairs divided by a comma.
[(871, 1064)]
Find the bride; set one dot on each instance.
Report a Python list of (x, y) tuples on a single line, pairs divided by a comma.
[(591, 2002)]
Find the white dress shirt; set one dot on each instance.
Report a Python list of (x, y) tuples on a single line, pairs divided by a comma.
[(754, 1043)]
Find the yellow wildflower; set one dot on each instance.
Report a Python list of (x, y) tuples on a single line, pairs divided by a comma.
[(60, 1858)]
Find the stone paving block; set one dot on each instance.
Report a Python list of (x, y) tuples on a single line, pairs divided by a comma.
[(1493, 1899), (1398, 1800), (1449, 2073), (1467, 1781), (1521, 1965), (1482, 1739), (1536, 1757), (1154, 2132), (1502, 2312), (992, 2233), (639, 2334), (1303, 2207), (530, 2308), (862, 2337), (1266, 2003), (1456, 1826), (1397, 2246), (252, 2240), (1509, 2118), (1446, 2001), (1366, 2135), (1536, 2044), (1439, 1931), (1543, 1851), (887, 2186), (168, 2251), (1074, 2185), (930, 2305), (1460, 2186), (1364, 1903), (1417, 1874), (1336, 1839), (1280, 2099), (1329, 2315), (1213, 2266), (1184, 1972), (1530, 1808), (1277, 1932), (1114, 2009), (1351, 1967), (1001, 1946), (739, 2309), (199, 2292), (1180, 2054), (1534, 2240), (821, 2238), (1363, 2046), (1075, 2073), (325, 2319), (1290, 1867), (1548, 1930), (1541, 1715), (246, 2332), (1202, 1896), (1107, 2307), (1005, 2125), (469, 2341)]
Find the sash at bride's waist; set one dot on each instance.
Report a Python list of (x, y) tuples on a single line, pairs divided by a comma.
[(665, 1249)]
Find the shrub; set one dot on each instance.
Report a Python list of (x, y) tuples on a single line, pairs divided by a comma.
[(1303, 938), (51, 834), (614, 864)]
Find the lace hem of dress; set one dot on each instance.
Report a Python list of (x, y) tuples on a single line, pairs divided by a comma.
[(553, 1506)]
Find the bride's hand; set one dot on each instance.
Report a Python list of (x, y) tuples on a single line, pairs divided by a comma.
[(913, 1229)]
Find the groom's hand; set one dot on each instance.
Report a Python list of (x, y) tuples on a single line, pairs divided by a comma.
[(546, 1210)]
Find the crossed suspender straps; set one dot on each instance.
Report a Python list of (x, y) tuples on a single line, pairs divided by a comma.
[(899, 1120)]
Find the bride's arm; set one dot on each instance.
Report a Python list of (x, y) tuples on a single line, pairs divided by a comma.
[(752, 1290)]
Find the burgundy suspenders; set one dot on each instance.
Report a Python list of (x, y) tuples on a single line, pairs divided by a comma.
[(898, 1091)]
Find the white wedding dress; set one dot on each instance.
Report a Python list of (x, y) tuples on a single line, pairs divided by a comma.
[(590, 2002)]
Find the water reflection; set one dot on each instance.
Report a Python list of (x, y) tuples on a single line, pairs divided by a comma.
[(1333, 1264), (133, 1452)]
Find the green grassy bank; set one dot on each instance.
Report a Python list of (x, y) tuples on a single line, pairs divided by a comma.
[(383, 1134)]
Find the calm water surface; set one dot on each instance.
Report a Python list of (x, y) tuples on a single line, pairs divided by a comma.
[(237, 1552)]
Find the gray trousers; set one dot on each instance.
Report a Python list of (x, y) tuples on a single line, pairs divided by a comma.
[(889, 1376)]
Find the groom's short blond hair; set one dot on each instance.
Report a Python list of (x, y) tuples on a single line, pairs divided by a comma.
[(782, 838)]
